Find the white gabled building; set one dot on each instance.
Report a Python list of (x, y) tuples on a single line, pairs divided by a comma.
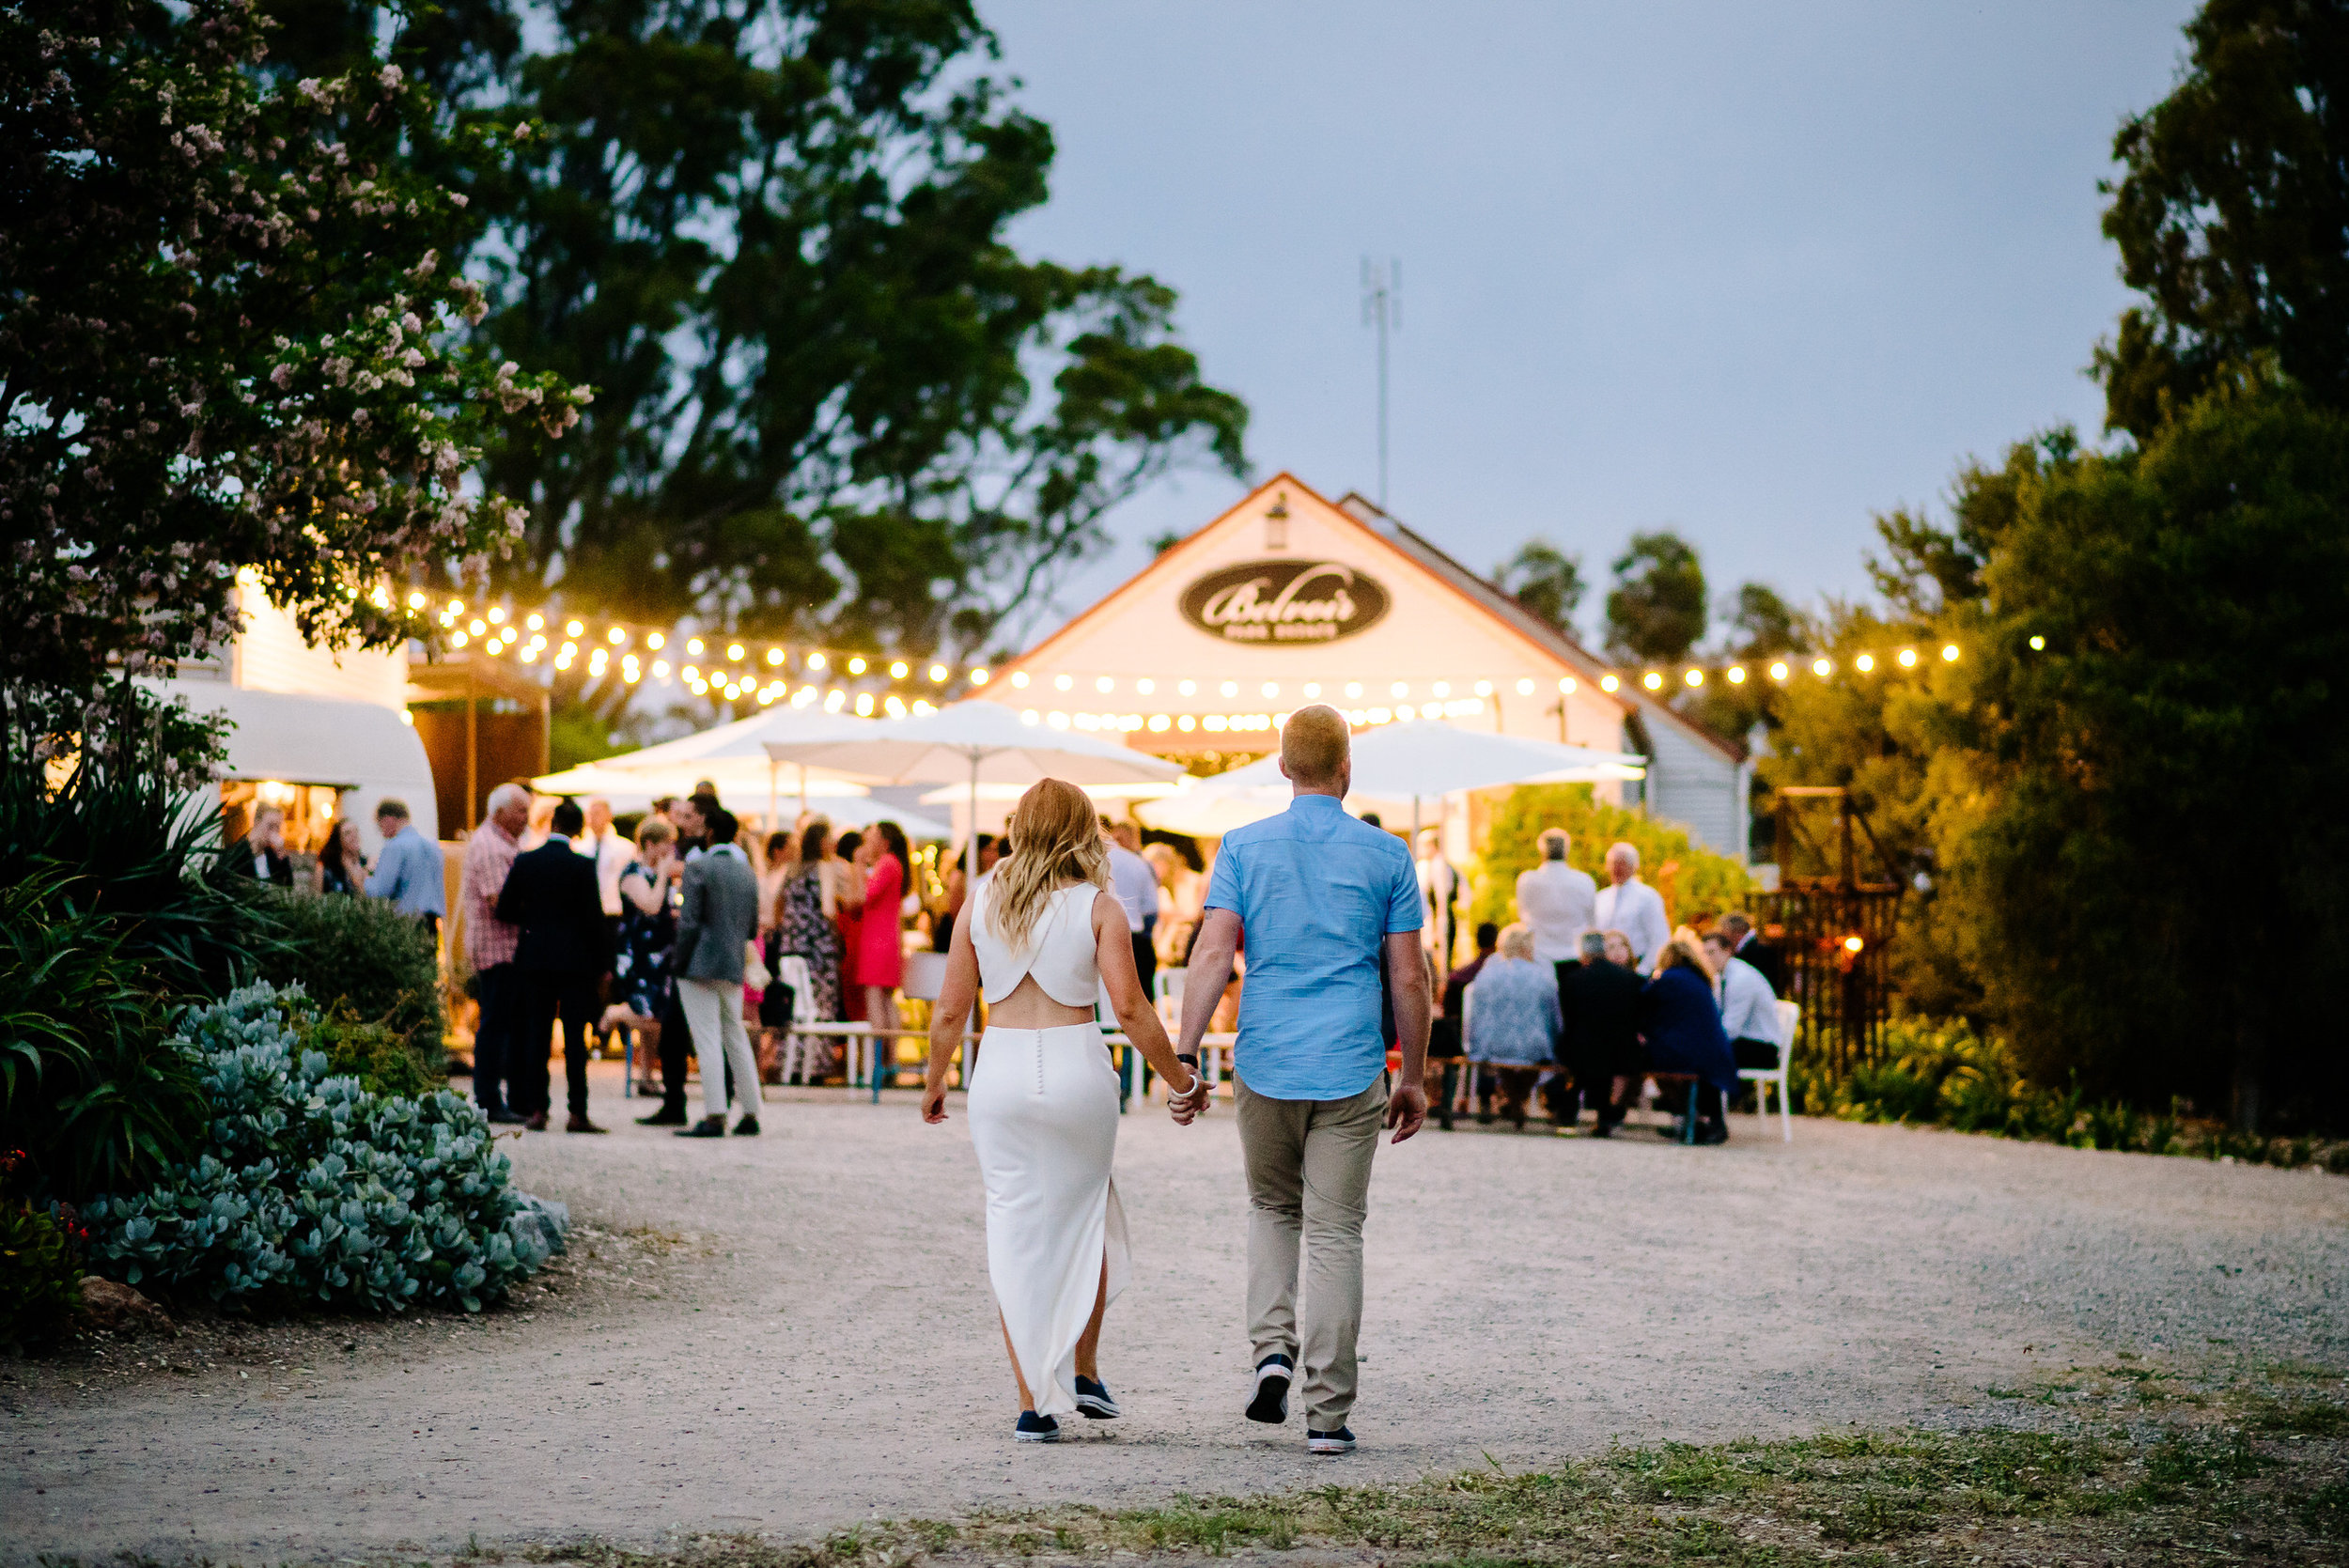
[(1289, 598)]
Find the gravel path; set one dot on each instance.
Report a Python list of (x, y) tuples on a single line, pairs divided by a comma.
[(823, 1348)]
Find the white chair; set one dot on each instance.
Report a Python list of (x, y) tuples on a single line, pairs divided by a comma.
[(799, 1047), (1789, 1018)]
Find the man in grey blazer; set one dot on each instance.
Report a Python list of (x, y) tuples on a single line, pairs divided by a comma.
[(715, 921)]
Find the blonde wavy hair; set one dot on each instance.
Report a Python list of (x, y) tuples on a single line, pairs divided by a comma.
[(1055, 840), (1684, 951)]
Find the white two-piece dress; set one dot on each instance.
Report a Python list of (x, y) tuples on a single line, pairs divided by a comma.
[(1043, 1109)]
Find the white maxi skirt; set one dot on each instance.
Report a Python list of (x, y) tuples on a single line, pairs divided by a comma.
[(1042, 1108)]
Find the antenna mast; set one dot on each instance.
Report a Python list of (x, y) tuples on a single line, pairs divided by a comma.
[(1382, 308)]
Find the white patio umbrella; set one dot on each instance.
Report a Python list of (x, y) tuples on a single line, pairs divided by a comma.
[(976, 742), (704, 753), (1394, 764), (737, 778)]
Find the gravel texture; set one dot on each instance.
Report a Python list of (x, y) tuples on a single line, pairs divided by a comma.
[(794, 1333)]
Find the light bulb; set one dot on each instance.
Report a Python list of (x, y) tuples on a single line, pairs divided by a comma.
[(690, 672), (774, 656), (497, 614), (1652, 681), (1865, 662), (476, 627), (1146, 686), (1778, 671), (655, 641), (1103, 683), (1313, 688), (864, 705), (978, 677), (1609, 683), (1565, 684), (1186, 723), (615, 636), (1948, 652), (938, 674), (897, 670), (1019, 680), (1272, 689), (1694, 677), (1353, 689), (572, 629), (1736, 674), (457, 607), (661, 669), (2038, 643), (733, 650), (1230, 688), (457, 640), (1441, 688), (1525, 688), (1909, 659), (694, 645), (537, 622), (415, 601), (1822, 667), (856, 665), (1484, 688), (814, 660), (1159, 722), (1186, 688)]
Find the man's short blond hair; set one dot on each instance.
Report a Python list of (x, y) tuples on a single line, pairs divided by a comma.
[(1314, 744)]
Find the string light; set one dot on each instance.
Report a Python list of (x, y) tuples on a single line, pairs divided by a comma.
[(1948, 652), (1864, 663), (897, 670), (573, 629)]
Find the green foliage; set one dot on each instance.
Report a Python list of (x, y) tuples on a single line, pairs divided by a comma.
[(1701, 881), (831, 397), (2193, 601), (1545, 579), (1655, 613), (374, 1054), (310, 1189), (89, 1089), (127, 838), (37, 1275), (228, 308), (2230, 216), (362, 958)]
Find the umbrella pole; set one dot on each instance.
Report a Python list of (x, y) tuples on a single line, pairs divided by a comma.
[(772, 805), (971, 838), (804, 789)]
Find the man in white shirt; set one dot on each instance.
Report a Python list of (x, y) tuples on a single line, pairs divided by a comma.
[(1748, 1006), (1557, 901), (611, 851), (1440, 893), (1631, 906), (1135, 882)]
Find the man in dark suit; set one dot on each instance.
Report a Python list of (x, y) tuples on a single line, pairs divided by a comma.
[(562, 955), (1600, 1042), (259, 851), (1747, 943)]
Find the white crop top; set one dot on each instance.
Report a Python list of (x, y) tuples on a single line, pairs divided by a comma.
[(1059, 950)]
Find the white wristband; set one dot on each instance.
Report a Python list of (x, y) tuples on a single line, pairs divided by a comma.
[(1196, 1079)]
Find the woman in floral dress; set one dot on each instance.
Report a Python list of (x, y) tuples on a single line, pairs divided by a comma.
[(804, 920)]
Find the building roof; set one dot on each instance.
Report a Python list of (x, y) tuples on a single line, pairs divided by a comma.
[(1500, 603)]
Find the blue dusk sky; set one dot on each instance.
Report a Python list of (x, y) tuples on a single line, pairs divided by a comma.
[(1751, 272)]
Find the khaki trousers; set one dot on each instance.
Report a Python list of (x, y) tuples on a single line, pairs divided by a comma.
[(1309, 1181)]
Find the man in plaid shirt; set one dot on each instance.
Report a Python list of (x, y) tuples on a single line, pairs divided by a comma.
[(490, 944)]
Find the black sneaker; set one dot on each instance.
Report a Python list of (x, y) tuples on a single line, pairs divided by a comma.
[(746, 1128), (1340, 1441), (1093, 1399), (665, 1117), (1034, 1428), (1271, 1404), (709, 1126)]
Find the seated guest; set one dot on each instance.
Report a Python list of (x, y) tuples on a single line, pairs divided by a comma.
[(1600, 1000), (1445, 1047), (1682, 1029), (1747, 946), (341, 868), (1748, 1006), (1513, 1022), (259, 850)]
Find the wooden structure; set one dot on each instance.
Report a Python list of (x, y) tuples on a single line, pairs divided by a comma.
[(1831, 920), (482, 722)]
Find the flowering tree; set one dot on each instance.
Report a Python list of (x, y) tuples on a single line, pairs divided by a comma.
[(226, 345)]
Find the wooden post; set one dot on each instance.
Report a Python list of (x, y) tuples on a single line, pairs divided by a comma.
[(472, 756)]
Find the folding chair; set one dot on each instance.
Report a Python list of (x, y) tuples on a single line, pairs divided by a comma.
[(1789, 1019)]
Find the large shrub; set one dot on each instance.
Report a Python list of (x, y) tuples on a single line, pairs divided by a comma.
[(312, 1189), (362, 958), (90, 1091), (1700, 880), (140, 852)]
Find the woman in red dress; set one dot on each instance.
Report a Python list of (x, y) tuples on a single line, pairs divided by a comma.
[(846, 872), (880, 945)]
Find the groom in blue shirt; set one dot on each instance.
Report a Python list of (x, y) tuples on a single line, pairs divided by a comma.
[(1328, 906)]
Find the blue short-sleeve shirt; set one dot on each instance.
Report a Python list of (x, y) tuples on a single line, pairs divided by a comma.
[(1316, 893)]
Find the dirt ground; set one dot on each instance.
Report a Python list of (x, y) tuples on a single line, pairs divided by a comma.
[(794, 1334)]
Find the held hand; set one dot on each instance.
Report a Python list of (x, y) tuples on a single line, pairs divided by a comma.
[(1185, 1109), (1407, 1110), (933, 1103)]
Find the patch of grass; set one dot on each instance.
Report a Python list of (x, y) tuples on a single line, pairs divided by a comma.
[(2305, 1420)]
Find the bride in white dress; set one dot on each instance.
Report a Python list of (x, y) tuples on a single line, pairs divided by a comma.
[(1044, 939)]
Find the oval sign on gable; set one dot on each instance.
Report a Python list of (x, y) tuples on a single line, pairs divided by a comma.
[(1284, 601)]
